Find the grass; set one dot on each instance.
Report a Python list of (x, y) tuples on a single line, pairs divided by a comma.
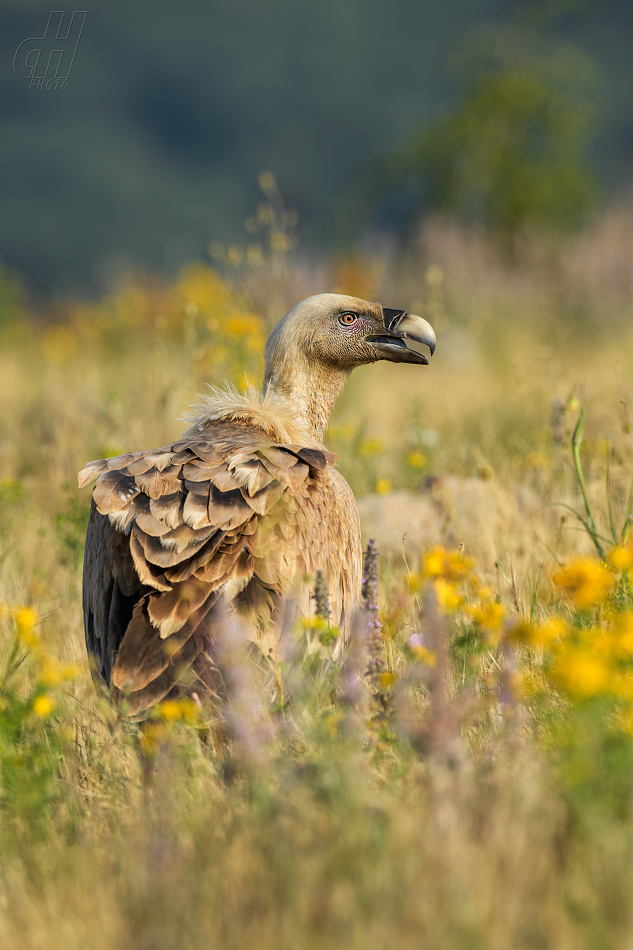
[(475, 789)]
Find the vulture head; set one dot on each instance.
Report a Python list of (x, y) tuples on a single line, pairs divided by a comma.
[(345, 332), (313, 349)]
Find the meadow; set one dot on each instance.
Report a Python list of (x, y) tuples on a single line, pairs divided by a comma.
[(465, 778)]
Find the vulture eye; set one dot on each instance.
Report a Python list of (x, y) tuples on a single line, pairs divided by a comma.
[(346, 319)]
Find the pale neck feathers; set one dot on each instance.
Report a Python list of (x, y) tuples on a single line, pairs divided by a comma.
[(294, 370), (272, 413)]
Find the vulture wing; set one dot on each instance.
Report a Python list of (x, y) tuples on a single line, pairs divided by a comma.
[(173, 528)]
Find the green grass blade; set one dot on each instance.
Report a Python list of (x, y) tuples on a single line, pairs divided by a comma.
[(576, 442)]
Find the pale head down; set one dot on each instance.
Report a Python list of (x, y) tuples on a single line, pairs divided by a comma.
[(315, 346)]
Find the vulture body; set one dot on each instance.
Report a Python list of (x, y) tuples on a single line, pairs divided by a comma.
[(245, 508)]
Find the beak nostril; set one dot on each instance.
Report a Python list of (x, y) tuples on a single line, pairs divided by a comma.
[(391, 317)]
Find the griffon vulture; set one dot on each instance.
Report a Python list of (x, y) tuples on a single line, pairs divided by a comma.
[(245, 507)]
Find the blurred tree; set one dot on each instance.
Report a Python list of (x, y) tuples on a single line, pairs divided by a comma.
[(514, 152)]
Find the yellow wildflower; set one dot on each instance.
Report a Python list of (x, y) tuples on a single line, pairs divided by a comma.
[(416, 460), (386, 679), (25, 620), (547, 632), (371, 447), (424, 656), (621, 557), (622, 631), (243, 325), (488, 614), (204, 288), (450, 564), (434, 563), (383, 486), (314, 623), (175, 710), (170, 710), (319, 630), (42, 706), (582, 673), (53, 673), (50, 673), (189, 711), (448, 597), (584, 581)]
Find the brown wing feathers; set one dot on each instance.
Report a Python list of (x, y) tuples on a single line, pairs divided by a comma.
[(169, 528)]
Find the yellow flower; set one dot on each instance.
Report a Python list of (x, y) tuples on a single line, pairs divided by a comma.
[(584, 581), (314, 623), (50, 673), (319, 630), (189, 711), (243, 325), (448, 597), (203, 288), (622, 631), (434, 563), (488, 614), (371, 447), (451, 564), (383, 486), (42, 706), (547, 632), (170, 710), (53, 673), (174, 710), (25, 620), (424, 656), (621, 558), (416, 460), (582, 673), (386, 679)]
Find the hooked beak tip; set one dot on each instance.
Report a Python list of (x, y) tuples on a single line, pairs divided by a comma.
[(412, 326)]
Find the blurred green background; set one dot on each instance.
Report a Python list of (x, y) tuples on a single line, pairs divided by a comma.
[(364, 110)]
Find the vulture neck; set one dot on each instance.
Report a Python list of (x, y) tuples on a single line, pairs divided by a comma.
[(310, 388)]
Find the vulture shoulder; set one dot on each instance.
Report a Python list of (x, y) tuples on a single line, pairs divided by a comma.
[(227, 511)]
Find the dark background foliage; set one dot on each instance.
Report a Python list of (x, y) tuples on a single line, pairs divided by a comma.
[(172, 109)]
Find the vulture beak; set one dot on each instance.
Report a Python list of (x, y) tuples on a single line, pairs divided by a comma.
[(401, 326)]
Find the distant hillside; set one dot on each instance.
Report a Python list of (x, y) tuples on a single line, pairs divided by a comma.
[(171, 110)]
